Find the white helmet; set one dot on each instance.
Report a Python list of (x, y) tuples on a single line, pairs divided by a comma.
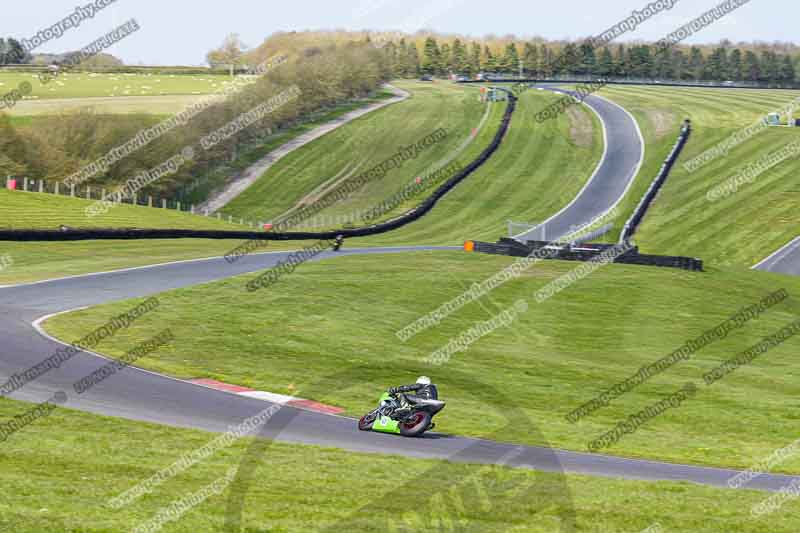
[(423, 380)]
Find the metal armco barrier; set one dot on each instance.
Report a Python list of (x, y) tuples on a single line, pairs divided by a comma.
[(644, 204), (585, 252), (409, 217)]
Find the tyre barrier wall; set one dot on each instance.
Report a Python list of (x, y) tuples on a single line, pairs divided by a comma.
[(644, 204), (407, 218), (586, 252)]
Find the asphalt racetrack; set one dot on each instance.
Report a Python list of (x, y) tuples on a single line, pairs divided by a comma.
[(612, 178), (784, 261)]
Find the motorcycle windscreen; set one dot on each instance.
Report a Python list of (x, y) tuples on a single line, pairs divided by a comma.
[(384, 424)]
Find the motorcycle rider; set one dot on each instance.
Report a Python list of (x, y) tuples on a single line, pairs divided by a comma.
[(423, 388)]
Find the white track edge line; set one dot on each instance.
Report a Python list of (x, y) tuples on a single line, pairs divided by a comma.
[(775, 253), (198, 260), (591, 178), (37, 325), (641, 157), (636, 171)]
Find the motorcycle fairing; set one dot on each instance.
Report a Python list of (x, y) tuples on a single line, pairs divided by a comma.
[(384, 424)]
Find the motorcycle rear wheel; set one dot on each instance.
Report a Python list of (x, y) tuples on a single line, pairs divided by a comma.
[(419, 423)]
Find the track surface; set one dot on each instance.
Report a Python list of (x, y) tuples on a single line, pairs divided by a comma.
[(612, 178), (784, 261), (141, 395)]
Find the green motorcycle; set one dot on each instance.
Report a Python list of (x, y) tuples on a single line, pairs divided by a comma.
[(410, 420)]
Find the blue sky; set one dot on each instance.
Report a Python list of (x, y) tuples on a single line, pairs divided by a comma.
[(180, 32)]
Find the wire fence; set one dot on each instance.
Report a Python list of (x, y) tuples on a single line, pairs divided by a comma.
[(87, 192)]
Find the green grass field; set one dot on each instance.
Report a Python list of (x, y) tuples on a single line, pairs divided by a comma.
[(86, 460), (737, 231), (34, 261), (554, 358), (366, 142), (537, 170), (248, 154), (481, 203), (86, 84), (32, 210), (544, 166), (110, 93), (161, 106)]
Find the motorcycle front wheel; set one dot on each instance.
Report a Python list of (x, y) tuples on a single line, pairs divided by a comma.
[(366, 421)]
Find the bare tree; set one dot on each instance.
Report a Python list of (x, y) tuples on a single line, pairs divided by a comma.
[(230, 52)]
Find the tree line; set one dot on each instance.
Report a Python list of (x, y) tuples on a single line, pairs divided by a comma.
[(13, 53), (724, 62)]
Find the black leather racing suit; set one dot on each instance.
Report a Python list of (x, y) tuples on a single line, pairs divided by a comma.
[(427, 392)]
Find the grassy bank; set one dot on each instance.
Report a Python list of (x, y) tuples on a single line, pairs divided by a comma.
[(737, 231), (365, 143), (537, 170), (248, 154), (33, 261)]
